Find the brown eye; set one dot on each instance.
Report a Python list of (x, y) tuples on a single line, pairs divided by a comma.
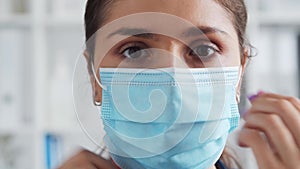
[(134, 52), (203, 52)]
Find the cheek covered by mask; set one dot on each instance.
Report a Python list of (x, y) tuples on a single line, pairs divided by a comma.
[(168, 118)]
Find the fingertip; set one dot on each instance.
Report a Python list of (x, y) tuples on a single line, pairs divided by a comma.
[(252, 97), (260, 93), (242, 144), (241, 137)]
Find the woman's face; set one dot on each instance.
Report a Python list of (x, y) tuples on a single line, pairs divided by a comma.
[(220, 40), (219, 46), (124, 45)]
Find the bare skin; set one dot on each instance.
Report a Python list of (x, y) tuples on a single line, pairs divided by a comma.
[(201, 13), (272, 124), (272, 131)]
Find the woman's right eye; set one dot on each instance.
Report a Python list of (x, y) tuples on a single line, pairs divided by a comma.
[(135, 52)]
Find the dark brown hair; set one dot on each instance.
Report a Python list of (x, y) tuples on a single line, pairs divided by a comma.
[(239, 17), (95, 14), (97, 11)]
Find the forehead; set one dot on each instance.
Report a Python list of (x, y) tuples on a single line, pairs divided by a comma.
[(198, 12)]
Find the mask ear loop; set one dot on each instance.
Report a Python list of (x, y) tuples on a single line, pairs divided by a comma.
[(99, 150), (238, 92), (98, 82), (251, 53)]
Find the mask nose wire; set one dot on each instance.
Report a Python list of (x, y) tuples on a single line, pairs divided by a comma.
[(96, 78)]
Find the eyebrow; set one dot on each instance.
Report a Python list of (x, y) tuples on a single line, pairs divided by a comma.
[(195, 31), (142, 33)]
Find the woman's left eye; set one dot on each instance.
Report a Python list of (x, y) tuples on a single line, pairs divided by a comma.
[(203, 51)]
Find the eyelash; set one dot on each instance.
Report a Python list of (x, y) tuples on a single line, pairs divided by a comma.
[(212, 45), (129, 45)]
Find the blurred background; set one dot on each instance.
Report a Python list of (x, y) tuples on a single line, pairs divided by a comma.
[(40, 41)]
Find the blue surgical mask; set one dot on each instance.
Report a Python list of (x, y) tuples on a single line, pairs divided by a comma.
[(168, 118)]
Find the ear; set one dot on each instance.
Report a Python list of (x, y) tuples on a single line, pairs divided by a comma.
[(242, 72), (97, 90)]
